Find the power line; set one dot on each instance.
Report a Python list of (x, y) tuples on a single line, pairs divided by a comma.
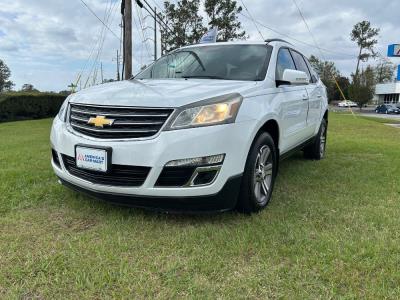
[(92, 54), (308, 28), (158, 6), (107, 14), (255, 24), (322, 55), (139, 28), (105, 25), (295, 39)]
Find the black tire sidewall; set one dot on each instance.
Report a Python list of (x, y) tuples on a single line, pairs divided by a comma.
[(313, 151), (247, 201)]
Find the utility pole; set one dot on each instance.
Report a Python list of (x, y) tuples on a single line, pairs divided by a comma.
[(155, 33), (127, 38)]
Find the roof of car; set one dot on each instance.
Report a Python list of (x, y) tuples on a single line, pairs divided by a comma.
[(269, 41)]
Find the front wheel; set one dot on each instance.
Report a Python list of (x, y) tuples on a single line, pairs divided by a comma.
[(317, 149), (259, 175)]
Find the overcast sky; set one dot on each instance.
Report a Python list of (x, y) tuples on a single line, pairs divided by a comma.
[(49, 42)]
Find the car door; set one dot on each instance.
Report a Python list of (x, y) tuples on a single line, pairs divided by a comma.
[(314, 93), (293, 104)]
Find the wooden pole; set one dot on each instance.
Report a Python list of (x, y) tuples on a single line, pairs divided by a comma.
[(155, 33), (128, 39)]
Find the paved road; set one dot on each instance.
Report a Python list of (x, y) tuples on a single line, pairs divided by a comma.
[(368, 112), (384, 116)]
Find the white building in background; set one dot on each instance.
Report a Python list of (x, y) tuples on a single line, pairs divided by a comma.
[(388, 93)]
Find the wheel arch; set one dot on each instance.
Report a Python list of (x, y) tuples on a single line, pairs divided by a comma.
[(272, 127), (326, 116)]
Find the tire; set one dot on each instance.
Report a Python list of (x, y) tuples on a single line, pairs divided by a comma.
[(259, 175), (317, 149)]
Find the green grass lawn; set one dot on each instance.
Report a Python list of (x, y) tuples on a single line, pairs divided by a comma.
[(332, 230)]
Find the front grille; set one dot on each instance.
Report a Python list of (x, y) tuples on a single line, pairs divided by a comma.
[(119, 175), (175, 176), (129, 122)]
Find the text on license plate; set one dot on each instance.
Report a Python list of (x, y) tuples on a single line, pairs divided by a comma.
[(91, 159)]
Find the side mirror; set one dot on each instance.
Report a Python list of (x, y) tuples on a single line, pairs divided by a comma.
[(293, 77)]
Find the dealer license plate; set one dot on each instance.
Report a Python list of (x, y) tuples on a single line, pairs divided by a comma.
[(91, 159)]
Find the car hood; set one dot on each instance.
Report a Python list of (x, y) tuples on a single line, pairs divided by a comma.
[(160, 93)]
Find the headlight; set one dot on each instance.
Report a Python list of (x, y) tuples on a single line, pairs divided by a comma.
[(215, 111), (63, 110)]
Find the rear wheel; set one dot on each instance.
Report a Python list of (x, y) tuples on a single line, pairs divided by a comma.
[(317, 149), (259, 175)]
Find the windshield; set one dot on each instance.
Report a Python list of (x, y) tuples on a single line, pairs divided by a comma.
[(228, 62)]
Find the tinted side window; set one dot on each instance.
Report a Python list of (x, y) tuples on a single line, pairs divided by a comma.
[(300, 63), (314, 75), (285, 61)]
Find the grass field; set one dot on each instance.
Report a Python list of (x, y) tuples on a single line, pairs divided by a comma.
[(332, 230)]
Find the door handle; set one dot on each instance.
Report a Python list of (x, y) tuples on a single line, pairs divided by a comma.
[(319, 96), (305, 97)]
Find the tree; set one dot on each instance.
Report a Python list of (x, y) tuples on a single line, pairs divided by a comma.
[(364, 35), (65, 93), (363, 87), (27, 87), (327, 71), (384, 71), (344, 83), (224, 15), (185, 23), (5, 73)]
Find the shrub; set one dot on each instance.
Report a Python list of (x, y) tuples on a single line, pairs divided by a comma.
[(24, 106)]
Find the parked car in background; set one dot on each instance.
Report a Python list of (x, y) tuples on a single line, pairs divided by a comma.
[(347, 103), (387, 109), (201, 129)]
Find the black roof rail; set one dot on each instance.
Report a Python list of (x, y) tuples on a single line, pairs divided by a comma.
[(276, 40)]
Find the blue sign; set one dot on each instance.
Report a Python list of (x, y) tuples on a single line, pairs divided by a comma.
[(394, 50), (398, 73)]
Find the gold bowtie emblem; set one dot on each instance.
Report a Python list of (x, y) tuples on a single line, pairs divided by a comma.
[(100, 121)]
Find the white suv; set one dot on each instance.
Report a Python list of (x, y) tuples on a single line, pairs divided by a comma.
[(201, 129)]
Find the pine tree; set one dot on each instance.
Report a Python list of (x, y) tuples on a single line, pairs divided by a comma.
[(224, 14)]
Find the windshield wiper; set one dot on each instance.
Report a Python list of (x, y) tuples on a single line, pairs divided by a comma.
[(204, 76)]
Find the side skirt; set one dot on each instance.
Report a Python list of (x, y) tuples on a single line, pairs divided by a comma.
[(296, 149)]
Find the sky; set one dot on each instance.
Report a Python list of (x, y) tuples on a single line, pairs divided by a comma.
[(49, 43)]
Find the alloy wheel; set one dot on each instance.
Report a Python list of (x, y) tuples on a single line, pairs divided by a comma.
[(322, 141), (263, 174)]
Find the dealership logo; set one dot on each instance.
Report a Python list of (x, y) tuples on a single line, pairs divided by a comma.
[(100, 121), (90, 158)]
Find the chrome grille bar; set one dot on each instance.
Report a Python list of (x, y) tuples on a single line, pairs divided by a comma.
[(128, 122)]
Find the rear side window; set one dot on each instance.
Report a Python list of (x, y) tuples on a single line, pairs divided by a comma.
[(314, 75), (301, 64), (285, 61)]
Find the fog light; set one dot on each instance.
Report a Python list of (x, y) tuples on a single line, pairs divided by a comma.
[(198, 161)]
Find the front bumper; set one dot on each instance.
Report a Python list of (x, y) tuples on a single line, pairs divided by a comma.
[(224, 200), (230, 139)]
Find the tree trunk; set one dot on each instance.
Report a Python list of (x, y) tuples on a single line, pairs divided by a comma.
[(358, 61)]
